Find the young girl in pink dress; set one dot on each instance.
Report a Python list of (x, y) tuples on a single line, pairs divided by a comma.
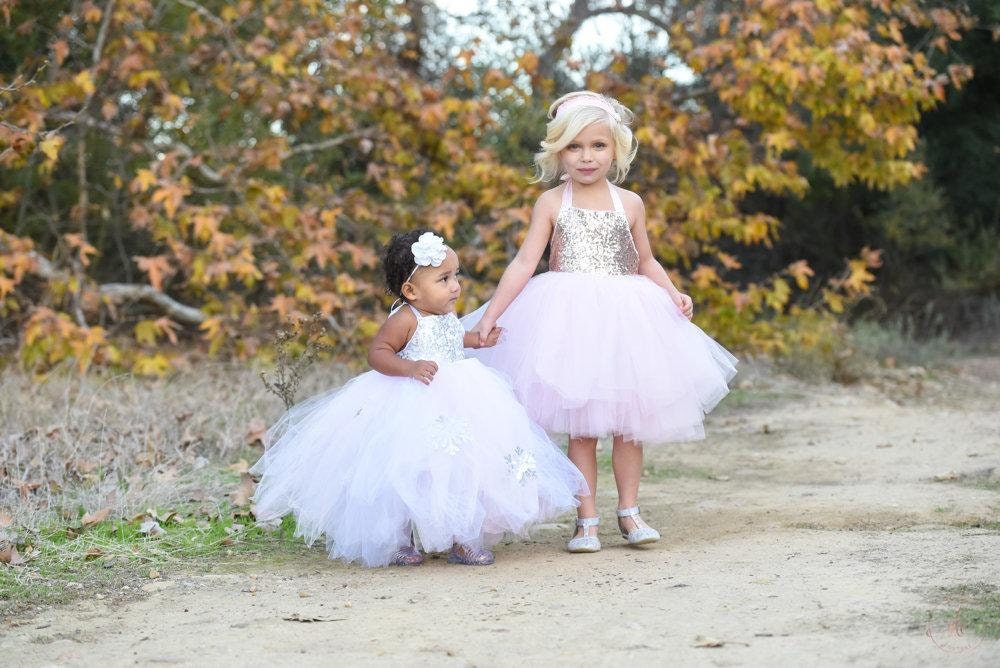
[(602, 343)]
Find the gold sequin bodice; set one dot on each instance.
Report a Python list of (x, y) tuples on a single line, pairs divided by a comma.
[(592, 242)]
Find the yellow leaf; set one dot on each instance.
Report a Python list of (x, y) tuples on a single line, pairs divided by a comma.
[(85, 81), (143, 181), (151, 365), (146, 332), (276, 62), (834, 301), (50, 147)]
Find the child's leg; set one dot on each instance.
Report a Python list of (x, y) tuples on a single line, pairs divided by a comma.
[(626, 460), (583, 453)]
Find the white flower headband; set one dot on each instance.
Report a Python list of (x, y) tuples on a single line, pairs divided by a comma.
[(428, 251)]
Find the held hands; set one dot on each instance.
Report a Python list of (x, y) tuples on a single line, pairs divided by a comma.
[(684, 303), (491, 338), (423, 371), (486, 329)]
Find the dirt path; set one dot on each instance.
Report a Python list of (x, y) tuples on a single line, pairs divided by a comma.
[(809, 528)]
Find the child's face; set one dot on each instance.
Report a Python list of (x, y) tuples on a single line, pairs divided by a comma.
[(435, 289), (587, 159)]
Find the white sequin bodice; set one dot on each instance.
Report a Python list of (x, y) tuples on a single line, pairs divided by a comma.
[(593, 242), (437, 338)]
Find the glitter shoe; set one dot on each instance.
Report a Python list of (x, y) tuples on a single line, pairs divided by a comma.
[(642, 533), (470, 556), (407, 556), (585, 542)]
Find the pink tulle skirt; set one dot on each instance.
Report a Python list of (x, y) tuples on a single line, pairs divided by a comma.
[(591, 356)]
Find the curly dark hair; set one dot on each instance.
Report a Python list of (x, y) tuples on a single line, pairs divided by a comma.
[(397, 260)]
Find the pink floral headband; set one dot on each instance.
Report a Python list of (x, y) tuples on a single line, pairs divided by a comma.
[(588, 101)]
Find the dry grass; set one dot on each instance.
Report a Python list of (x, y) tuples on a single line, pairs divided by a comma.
[(135, 451), (69, 443)]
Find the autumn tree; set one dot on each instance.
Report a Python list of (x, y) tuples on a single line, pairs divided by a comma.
[(183, 169), (184, 166)]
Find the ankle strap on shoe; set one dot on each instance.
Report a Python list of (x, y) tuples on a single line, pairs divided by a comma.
[(588, 521), (628, 512)]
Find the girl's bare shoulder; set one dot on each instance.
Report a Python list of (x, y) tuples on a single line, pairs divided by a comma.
[(628, 197), (402, 321), (548, 202), (635, 209), (551, 197)]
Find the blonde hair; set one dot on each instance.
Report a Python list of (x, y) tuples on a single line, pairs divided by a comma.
[(564, 127)]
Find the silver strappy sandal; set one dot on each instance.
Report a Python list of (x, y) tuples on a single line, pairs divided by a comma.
[(470, 556), (642, 533), (585, 542)]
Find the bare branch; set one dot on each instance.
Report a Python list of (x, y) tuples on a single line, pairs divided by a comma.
[(580, 11), (16, 83), (102, 35), (191, 4), (118, 292), (182, 313), (298, 149)]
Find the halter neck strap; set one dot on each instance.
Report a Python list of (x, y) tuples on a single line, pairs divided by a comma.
[(567, 197), (403, 304)]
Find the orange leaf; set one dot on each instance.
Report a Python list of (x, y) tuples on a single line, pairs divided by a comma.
[(157, 267), (94, 518)]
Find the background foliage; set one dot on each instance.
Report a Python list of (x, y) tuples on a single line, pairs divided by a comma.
[(181, 176)]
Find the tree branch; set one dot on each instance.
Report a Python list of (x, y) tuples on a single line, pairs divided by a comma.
[(118, 292), (102, 35), (299, 149), (182, 313), (580, 11)]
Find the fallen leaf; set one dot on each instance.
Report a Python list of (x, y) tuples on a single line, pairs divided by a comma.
[(153, 574), (96, 517), (703, 641), (240, 467), (150, 528), (244, 492), (9, 555), (93, 553), (6, 519), (25, 487), (256, 431)]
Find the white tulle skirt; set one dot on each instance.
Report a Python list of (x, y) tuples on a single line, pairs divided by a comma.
[(591, 355), (455, 461)]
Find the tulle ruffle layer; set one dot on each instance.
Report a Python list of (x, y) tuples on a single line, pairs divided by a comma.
[(457, 460), (592, 355)]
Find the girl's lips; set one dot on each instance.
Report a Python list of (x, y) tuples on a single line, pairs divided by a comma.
[(589, 170)]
